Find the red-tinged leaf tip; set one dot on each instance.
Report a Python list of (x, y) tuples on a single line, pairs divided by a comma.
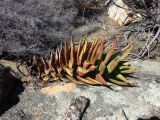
[(83, 52), (86, 64), (100, 50), (92, 67), (92, 80), (107, 58), (126, 47), (92, 46), (94, 53), (101, 79), (79, 49), (82, 71)]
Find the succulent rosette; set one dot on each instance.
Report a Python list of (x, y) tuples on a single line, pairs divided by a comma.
[(92, 63)]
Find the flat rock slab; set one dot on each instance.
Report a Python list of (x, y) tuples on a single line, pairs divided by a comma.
[(129, 103)]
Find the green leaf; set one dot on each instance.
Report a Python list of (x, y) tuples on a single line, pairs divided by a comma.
[(114, 63), (118, 82)]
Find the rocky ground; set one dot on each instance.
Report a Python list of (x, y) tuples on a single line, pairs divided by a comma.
[(98, 103)]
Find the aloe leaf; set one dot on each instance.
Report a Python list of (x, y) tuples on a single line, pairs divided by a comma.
[(79, 49), (46, 66), (125, 53), (86, 64), (107, 58), (69, 71), (122, 78), (53, 73), (74, 80), (100, 79), (61, 55), (110, 52), (57, 55), (51, 61), (82, 71), (118, 82), (71, 61), (92, 67), (100, 50), (114, 63), (124, 67), (130, 70), (94, 53), (126, 47), (92, 80), (86, 81), (106, 44), (66, 53), (91, 48), (45, 77), (59, 69), (83, 52), (106, 47)]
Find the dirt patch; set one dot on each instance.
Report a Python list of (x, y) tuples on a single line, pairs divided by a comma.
[(51, 90)]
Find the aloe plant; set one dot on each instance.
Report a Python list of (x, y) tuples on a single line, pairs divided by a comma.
[(95, 63)]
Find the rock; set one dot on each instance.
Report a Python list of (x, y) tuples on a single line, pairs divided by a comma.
[(66, 87), (17, 71), (140, 102), (76, 108), (19, 115), (120, 12)]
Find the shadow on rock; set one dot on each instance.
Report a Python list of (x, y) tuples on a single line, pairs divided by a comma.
[(152, 118), (10, 88)]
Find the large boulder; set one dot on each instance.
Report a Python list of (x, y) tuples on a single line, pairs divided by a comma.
[(128, 103)]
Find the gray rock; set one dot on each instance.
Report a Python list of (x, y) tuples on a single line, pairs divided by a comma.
[(18, 115), (130, 103), (76, 108)]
